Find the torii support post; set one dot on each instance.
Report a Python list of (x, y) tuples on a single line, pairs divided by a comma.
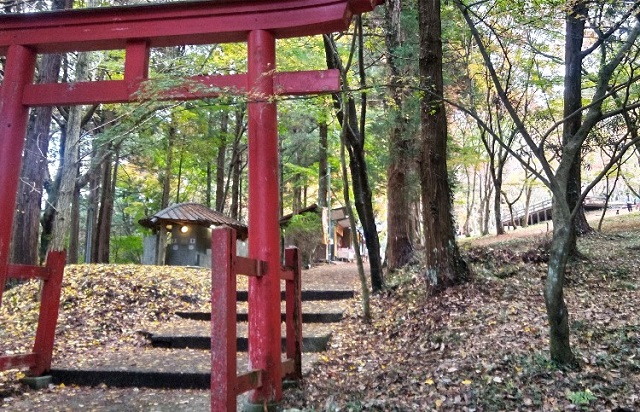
[(19, 69), (264, 240)]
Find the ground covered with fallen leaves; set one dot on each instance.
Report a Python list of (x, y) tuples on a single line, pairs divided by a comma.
[(483, 345), (480, 346)]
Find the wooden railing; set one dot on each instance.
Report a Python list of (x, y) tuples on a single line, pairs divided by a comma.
[(39, 360), (226, 384)]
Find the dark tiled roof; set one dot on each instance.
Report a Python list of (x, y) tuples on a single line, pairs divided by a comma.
[(193, 213), (286, 218)]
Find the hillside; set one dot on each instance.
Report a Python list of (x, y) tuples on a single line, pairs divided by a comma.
[(480, 346), (483, 346)]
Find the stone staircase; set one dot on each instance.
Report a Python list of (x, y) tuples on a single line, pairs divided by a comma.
[(177, 355)]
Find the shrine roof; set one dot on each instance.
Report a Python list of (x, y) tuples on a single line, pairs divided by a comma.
[(194, 213)]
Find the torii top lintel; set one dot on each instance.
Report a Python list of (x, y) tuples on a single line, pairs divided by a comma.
[(202, 22)]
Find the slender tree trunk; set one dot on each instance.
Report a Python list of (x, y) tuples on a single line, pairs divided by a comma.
[(366, 308), (166, 192), (105, 215), (235, 182), (103, 221), (358, 166), (471, 200), (74, 236), (220, 163), (323, 169), (92, 207), (497, 184), (444, 265)]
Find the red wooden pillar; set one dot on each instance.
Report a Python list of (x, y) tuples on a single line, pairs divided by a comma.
[(293, 293), (19, 69), (48, 318), (264, 230), (223, 320)]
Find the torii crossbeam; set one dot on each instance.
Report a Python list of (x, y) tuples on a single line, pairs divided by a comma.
[(136, 29)]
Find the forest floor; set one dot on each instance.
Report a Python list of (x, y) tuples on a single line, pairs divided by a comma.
[(480, 346)]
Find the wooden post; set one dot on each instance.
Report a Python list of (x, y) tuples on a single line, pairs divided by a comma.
[(48, 318), (293, 295), (223, 320), (264, 229), (18, 72)]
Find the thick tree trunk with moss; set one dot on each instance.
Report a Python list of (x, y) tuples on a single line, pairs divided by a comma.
[(444, 265)]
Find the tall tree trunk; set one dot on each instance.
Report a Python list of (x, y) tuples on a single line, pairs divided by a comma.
[(74, 236), (53, 189), (471, 201), (399, 245), (574, 35), (92, 207), (166, 192), (105, 214), (357, 164), (527, 202), (497, 184), (62, 220), (557, 313), (444, 265)]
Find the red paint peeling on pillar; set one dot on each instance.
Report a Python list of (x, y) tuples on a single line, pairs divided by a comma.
[(264, 236)]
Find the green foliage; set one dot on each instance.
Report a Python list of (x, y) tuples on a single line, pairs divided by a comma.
[(305, 232), (581, 398), (126, 249)]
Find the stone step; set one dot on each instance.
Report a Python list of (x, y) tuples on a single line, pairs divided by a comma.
[(309, 295), (150, 368), (192, 334), (312, 312), (243, 316)]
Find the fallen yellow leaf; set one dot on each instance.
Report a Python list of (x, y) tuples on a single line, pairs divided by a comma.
[(466, 382), (429, 381)]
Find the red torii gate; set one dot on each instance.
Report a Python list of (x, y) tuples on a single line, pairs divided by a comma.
[(136, 29)]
